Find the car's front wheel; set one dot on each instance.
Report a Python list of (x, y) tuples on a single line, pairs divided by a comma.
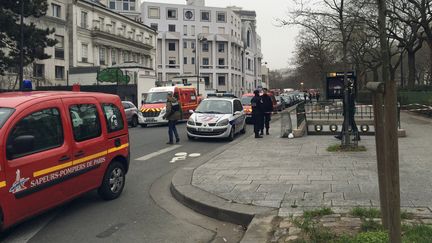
[(243, 131), (113, 181), (134, 122), (231, 135), (143, 125)]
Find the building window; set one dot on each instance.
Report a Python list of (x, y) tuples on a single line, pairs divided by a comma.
[(221, 80), (221, 47), (113, 57), (171, 13), (59, 47), (205, 29), (221, 62), (193, 60), (193, 30), (84, 53), (112, 4), (56, 10), (248, 38), (84, 20), (185, 29), (171, 46), (171, 63), (205, 61), (102, 55), (171, 28), (205, 47), (205, 16), (153, 13), (221, 17), (189, 14), (59, 72), (185, 44), (39, 70), (249, 64), (193, 45), (185, 60), (154, 26)]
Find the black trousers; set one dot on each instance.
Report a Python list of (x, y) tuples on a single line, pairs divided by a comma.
[(266, 121), (258, 120)]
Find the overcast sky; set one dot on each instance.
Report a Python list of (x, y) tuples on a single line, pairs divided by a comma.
[(278, 43)]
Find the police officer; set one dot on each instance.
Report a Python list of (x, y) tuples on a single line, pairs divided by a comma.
[(173, 114), (268, 109), (257, 113)]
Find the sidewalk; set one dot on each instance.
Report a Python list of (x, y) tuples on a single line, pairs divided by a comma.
[(290, 174)]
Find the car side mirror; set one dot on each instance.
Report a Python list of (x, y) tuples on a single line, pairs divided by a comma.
[(191, 111), (237, 113), (20, 145)]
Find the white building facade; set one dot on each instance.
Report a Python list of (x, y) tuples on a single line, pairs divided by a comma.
[(195, 35)]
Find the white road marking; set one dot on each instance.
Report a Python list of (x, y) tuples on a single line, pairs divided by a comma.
[(175, 159), (181, 154), (157, 153), (194, 155)]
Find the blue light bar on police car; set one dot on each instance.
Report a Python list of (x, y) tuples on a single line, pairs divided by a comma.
[(224, 95)]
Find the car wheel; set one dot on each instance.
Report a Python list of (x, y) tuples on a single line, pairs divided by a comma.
[(243, 131), (113, 181), (143, 125), (231, 135), (134, 122)]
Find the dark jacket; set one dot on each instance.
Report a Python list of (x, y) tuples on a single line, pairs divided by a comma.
[(257, 105), (171, 113), (267, 103)]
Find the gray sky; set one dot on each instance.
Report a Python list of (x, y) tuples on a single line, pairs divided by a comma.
[(278, 43)]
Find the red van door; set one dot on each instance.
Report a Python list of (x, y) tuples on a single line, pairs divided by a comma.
[(88, 144), (37, 148)]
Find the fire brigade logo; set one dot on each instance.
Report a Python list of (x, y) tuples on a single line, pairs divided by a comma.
[(19, 183)]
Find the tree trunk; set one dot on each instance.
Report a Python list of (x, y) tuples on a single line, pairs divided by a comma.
[(375, 74), (411, 68)]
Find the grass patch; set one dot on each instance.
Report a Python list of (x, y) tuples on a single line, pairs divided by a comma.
[(418, 234), (366, 212), (313, 231), (317, 212), (340, 148), (370, 225), (406, 215)]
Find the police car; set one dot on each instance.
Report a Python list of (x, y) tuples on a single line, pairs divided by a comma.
[(218, 116)]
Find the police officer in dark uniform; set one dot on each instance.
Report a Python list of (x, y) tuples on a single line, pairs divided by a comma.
[(257, 113), (268, 109)]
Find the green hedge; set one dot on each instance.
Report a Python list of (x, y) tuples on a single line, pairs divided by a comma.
[(413, 97)]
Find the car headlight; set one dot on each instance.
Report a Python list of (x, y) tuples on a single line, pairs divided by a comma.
[(163, 111), (191, 122), (223, 123)]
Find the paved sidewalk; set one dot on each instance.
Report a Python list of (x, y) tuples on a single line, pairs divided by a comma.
[(291, 174)]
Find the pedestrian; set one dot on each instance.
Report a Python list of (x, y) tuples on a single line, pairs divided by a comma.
[(317, 96), (173, 114), (267, 109), (305, 96), (352, 110), (257, 113)]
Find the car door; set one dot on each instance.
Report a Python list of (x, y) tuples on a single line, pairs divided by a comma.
[(128, 111), (88, 145), (239, 119), (37, 149)]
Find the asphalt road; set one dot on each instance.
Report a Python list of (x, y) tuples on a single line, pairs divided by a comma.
[(146, 211)]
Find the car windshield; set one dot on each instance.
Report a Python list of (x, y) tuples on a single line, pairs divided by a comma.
[(156, 97), (246, 100), (215, 107), (4, 115)]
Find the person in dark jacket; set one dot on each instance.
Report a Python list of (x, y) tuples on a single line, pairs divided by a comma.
[(267, 109), (173, 114), (351, 118), (257, 113)]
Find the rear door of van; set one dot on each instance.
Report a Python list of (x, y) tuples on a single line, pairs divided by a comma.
[(37, 151)]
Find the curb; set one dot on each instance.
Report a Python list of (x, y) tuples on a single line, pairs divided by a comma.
[(207, 203)]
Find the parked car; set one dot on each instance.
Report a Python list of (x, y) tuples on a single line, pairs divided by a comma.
[(281, 105), (56, 146), (217, 117), (133, 115)]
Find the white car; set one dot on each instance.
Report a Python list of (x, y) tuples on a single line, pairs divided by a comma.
[(217, 117)]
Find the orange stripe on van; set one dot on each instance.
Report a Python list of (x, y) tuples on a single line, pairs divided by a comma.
[(2, 184)]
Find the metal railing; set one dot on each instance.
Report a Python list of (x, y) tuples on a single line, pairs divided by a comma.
[(332, 110)]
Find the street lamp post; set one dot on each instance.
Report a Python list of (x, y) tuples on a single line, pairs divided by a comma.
[(199, 39), (21, 68)]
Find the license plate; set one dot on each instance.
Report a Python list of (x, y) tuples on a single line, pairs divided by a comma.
[(204, 129), (150, 120)]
